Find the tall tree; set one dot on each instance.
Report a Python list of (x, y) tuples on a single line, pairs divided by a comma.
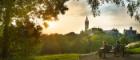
[(26, 11)]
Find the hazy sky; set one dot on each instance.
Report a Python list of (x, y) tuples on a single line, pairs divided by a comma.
[(73, 21)]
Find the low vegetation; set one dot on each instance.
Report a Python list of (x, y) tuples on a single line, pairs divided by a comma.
[(58, 57)]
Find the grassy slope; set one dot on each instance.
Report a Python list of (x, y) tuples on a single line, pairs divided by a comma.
[(58, 57), (134, 50)]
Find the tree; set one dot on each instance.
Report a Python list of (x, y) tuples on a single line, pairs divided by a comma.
[(124, 40), (132, 6), (26, 11)]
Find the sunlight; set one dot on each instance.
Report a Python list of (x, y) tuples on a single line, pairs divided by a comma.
[(51, 25)]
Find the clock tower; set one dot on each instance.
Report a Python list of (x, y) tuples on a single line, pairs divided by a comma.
[(86, 24)]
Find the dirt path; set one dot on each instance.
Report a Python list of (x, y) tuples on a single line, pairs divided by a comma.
[(109, 57)]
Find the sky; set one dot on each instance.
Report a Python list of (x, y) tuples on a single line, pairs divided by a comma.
[(111, 17)]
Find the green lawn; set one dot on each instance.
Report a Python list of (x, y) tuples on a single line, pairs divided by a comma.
[(58, 57), (134, 50)]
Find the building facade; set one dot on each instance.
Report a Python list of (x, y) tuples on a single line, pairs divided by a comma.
[(130, 34)]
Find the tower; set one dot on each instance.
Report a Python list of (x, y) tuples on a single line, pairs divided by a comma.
[(86, 24)]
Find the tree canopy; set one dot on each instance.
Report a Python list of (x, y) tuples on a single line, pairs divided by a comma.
[(17, 19), (133, 6)]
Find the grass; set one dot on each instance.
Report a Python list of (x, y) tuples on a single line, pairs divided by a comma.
[(58, 57), (134, 50)]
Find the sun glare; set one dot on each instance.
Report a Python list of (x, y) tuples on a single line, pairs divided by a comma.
[(52, 25)]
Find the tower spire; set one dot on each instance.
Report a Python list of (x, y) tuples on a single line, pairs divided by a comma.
[(86, 18), (86, 24)]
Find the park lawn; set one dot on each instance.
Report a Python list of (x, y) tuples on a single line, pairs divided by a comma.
[(134, 50), (58, 57)]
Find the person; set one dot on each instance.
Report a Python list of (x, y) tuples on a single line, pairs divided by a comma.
[(104, 44), (117, 48), (102, 52)]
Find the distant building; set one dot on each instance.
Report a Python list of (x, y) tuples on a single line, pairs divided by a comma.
[(86, 24), (114, 32), (138, 37), (92, 30), (130, 34)]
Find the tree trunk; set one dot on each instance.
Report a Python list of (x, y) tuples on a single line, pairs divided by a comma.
[(5, 41), (5, 44)]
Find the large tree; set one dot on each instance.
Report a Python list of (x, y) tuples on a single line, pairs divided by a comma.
[(25, 13)]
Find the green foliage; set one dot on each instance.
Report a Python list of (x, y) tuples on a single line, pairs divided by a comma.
[(57, 43), (22, 44), (74, 43), (134, 50), (132, 6), (99, 38), (123, 40), (20, 8), (22, 38)]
